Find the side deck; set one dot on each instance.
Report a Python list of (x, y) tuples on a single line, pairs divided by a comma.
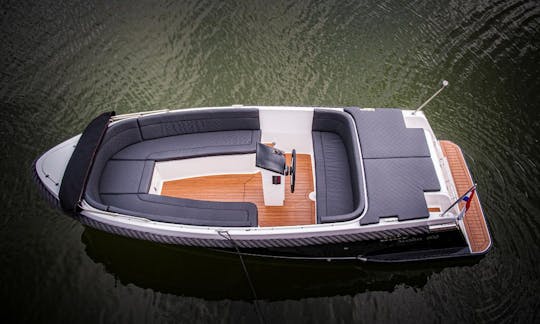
[(474, 220)]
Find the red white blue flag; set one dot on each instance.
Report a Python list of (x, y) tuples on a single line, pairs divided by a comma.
[(468, 197)]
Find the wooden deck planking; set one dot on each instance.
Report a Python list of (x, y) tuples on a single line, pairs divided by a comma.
[(474, 220), (298, 209)]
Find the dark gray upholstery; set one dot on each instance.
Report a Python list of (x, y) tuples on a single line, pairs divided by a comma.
[(183, 211), (123, 166), (340, 188), (397, 165), (118, 136), (383, 134), (396, 188), (190, 122), (192, 145), (120, 176), (334, 189)]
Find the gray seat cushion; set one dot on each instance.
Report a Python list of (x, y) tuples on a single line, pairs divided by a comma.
[(192, 145), (334, 189), (183, 211), (383, 134), (396, 188), (122, 177), (339, 176)]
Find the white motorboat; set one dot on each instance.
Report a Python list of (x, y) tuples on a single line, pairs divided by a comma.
[(289, 182)]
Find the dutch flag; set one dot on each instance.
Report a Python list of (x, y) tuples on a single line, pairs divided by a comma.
[(468, 197)]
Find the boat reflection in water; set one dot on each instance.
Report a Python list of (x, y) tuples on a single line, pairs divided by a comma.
[(208, 274)]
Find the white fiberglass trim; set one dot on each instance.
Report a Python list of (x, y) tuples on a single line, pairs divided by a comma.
[(435, 160), (200, 167), (51, 166), (314, 195), (366, 203), (417, 120), (288, 128), (273, 194), (440, 198)]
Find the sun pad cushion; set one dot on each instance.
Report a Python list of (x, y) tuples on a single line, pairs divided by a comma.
[(383, 134), (396, 188)]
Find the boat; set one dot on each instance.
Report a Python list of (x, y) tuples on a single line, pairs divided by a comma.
[(311, 183)]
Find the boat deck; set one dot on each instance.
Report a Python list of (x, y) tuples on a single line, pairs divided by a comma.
[(475, 223), (298, 209)]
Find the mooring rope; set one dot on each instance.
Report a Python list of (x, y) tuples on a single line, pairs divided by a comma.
[(227, 236)]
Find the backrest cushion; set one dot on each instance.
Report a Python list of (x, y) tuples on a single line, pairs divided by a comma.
[(198, 121), (118, 136)]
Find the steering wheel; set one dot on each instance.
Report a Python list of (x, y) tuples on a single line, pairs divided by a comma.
[(292, 170)]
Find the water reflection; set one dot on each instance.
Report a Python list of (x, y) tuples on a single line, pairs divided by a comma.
[(214, 275)]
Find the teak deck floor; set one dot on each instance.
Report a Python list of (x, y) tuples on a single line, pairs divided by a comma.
[(298, 209), (475, 223)]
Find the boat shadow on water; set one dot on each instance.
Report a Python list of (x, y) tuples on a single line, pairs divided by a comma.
[(208, 274)]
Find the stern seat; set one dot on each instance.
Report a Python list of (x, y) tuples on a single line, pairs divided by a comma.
[(339, 178)]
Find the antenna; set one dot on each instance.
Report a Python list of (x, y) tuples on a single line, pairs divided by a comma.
[(444, 85)]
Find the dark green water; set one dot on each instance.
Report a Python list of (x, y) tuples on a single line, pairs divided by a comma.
[(63, 63)]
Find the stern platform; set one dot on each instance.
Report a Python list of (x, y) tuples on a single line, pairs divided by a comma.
[(474, 220)]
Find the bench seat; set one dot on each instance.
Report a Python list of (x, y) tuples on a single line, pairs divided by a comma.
[(183, 211), (123, 166), (339, 175)]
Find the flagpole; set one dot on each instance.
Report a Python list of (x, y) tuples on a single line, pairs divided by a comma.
[(459, 199), (444, 85)]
